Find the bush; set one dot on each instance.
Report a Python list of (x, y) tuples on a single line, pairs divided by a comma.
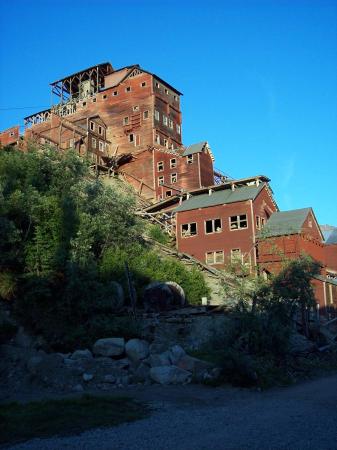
[(157, 234)]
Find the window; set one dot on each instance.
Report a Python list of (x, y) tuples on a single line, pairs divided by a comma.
[(143, 84), (189, 229), (168, 194), (92, 126), (71, 142), (126, 121), (310, 223), (178, 128), (189, 159), (157, 139), (156, 114), (128, 89), (135, 108), (236, 255), (258, 222), (84, 103), (104, 96), (170, 124), (101, 146), (172, 146), (213, 226), (166, 91), (93, 142), (131, 138), (166, 143), (173, 163), (174, 177), (164, 119), (160, 180), (145, 114), (175, 98), (157, 85), (238, 222), (216, 257), (115, 93), (160, 166), (100, 130), (263, 221), (94, 100)]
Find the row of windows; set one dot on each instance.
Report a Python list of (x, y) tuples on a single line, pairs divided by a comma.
[(173, 163), (215, 225), (167, 92), (173, 178), (101, 145), (167, 121), (218, 256), (126, 119), (93, 127)]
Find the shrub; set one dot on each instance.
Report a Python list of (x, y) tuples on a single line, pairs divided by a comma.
[(157, 234)]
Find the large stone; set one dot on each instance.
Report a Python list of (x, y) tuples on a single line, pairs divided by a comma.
[(160, 359), (142, 373), (82, 354), (179, 298), (176, 353), (157, 297), (87, 377), (299, 344), (137, 349), (170, 375), (109, 347)]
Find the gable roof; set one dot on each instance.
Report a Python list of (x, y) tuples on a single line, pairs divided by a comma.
[(285, 222), (194, 148), (221, 197)]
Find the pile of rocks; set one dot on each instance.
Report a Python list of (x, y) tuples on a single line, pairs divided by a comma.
[(112, 362)]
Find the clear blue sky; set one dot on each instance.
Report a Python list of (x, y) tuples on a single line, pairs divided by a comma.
[(259, 77)]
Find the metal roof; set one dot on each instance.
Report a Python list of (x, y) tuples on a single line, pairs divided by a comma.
[(221, 197), (332, 238), (195, 148), (285, 222)]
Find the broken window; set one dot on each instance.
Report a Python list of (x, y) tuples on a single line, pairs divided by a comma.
[(126, 121), (94, 100), (136, 108), (101, 146), (128, 89), (174, 177), (131, 138), (258, 222), (157, 139), (213, 226), (145, 114), (178, 128), (156, 114), (173, 163), (189, 229), (189, 159), (216, 257), (115, 93), (166, 143), (104, 96), (165, 120), (92, 126), (160, 166), (157, 85), (238, 222), (100, 130), (160, 180), (168, 193), (166, 91), (263, 221), (236, 255), (143, 84), (176, 98), (170, 123)]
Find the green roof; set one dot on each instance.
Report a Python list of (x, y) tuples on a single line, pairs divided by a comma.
[(195, 148), (285, 222), (326, 279), (220, 197)]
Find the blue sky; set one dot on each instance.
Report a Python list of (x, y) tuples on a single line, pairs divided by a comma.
[(259, 78)]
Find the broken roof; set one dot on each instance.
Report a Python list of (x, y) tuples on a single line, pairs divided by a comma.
[(194, 148), (221, 197), (285, 222), (332, 238)]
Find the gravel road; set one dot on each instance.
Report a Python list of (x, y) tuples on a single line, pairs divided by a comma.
[(199, 418)]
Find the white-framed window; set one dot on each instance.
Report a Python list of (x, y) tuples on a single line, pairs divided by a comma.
[(101, 146), (170, 122), (115, 93), (143, 83), (213, 226), (126, 120), (189, 229), (166, 91), (236, 255), (157, 85), (175, 98), (238, 222), (160, 166), (165, 120), (174, 177), (92, 126), (128, 89), (189, 159), (216, 257), (100, 130), (178, 128), (173, 163), (131, 137), (156, 114), (157, 140), (258, 222), (145, 115), (11, 133), (93, 143), (166, 143), (168, 194), (94, 100), (135, 108), (161, 180)]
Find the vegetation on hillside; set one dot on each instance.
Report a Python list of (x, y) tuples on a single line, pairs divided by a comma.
[(64, 240)]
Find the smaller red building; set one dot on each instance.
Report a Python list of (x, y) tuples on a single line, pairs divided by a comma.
[(10, 136)]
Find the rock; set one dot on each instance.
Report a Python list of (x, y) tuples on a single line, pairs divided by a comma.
[(87, 376), (299, 344), (194, 365), (110, 379), (137, 349), (157, 297), (170, 375), (142, 373), (123, 363), (82, 354), (179, 298), (109, 347), (176, 352), (160, 359), (123, 381), (78, 388)]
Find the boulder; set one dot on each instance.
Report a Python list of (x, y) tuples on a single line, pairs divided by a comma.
[(170, 375), (157, 297), (142, 373), (299, 344), (109, 347), (176, 352), (87, 377), (137, 349), (160, 359), (109, 379), (82, 354), (194, 365), (179, 298)]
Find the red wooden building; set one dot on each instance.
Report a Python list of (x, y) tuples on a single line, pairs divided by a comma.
[(10, 136)]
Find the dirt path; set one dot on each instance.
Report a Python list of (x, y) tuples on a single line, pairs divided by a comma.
[(199, 418)]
